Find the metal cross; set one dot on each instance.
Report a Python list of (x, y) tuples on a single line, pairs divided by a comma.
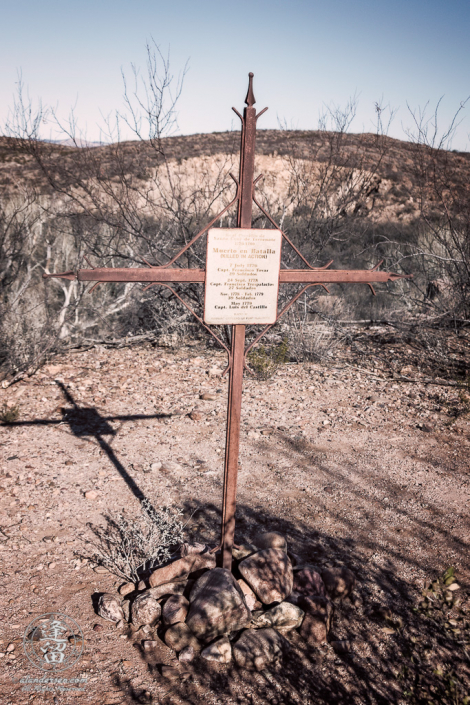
[(164, 275)]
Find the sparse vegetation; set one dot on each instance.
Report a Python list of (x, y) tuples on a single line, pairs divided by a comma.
[(9, 414), (130, 546), (356, 199), (435, 658), (265, 360)]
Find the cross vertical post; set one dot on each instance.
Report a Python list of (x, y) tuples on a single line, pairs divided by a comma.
[(235, 384), (165, 275)]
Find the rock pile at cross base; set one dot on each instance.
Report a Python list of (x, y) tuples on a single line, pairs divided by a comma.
[(245, 616)]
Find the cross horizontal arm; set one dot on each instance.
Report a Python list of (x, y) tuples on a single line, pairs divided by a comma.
[(286, 276)]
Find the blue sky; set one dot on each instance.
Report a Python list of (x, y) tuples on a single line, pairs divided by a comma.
[(305, 55)]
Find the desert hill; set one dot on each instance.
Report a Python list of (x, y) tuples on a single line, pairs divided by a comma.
[(391, 159)]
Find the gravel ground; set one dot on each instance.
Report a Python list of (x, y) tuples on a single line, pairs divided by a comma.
[(354, 467)]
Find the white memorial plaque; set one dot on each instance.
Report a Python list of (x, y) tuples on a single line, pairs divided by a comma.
[(242, 276)]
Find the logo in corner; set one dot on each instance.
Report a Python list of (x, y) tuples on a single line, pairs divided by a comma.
[(53, 642)]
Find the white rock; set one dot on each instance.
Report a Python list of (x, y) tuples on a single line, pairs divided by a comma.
[(109, 607)]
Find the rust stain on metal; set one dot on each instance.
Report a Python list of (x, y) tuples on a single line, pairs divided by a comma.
[(166, 274)]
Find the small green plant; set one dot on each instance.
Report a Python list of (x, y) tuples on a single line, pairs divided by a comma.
[(265, 361), (9, 414)]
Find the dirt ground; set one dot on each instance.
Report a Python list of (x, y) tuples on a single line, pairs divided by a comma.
[(353, 466)]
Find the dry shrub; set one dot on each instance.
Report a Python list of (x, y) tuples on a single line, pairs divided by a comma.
[(265, 360), (130, 547), (9, 414)]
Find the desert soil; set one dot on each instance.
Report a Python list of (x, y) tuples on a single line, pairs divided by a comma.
[(353, 466)]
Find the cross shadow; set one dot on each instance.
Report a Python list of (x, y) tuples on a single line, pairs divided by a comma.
[(87, 422)]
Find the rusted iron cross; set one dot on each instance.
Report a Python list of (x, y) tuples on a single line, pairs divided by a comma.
[(165, 275)]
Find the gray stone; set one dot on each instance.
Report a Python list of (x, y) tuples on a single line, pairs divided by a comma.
[(187, 654), (109, 607), (188, 549), (250, 597), (145, 610), (126, 608), (173, 572), (180, 569), (171, 673), (175, 610), (220, 651), (317, 620), (271, 539), (308, 581), (269, 574), (339, 582), (283, 616), (217, 605), (243, 551), (168, 589), (179, 636), (258, 649), (170, 465)]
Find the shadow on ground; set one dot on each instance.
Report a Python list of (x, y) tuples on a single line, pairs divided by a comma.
[(417, 659)]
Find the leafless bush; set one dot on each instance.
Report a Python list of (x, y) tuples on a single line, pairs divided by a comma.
[(129, 547)]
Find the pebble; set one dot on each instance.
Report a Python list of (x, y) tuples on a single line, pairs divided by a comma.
[(175, 610), (282, 616), (180, 569), (196, 416), (170, 673), (109, 607), (171, 466), (217, 605), (10, 648), (174, 588), (176, 571), (179, 636), (270, 539), (91, 494), (339, 582), (243, 551), (145, 610), (98, 628), (317, 620), (155, 467), (308, 581), (269, 574), (188, 549), (126, 589), (256, 650), (187, 654), (250, 597), (220, 651), (208, 397)]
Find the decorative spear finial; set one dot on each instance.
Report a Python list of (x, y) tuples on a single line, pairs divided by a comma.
[(250, 97)]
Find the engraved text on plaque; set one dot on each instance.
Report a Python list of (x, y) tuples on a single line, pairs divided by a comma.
[(242, 276)]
